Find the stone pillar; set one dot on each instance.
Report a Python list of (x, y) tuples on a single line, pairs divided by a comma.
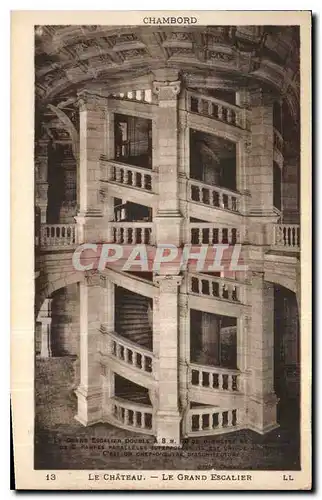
[(41, 162), (44, 317), (108, 306), (260, 171), (184, 167), (290, 191), (243, 151), (165, 139), (107, 319), (184, 347), (243, 326), (262, 400), (108, 200), (167, 419), (89, 392), (108, 391), (94, 143)]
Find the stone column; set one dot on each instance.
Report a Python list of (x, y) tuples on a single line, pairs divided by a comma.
[(89, 392), (93, 144), (262, 400), (41, 162), (184, 167), (243, 326), (165, 139), (108, 200), (184, 352), (260, 171), (108, 306), (167, 419), (262, 214), (290, 191), (44, 317), (243, 150)]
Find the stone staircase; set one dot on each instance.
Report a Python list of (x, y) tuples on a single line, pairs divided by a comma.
[(132, 317)]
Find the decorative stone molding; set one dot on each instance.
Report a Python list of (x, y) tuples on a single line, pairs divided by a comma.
[(168, 284), (259, 97), (248, 145), (93, 278), (103, 281), (167, 91), (258, 274), (86, 100), (184, 307)]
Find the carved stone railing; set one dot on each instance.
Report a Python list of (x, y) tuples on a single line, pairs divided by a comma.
[(287, 237), (58, 235), (128, 175), (134, 416), (213, 196), (216, 287), (144, 95), (216, 109), (216, 378), (129, 353), (132, 232), (211, 234), (208, 420)]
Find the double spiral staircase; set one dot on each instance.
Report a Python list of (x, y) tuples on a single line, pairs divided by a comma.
[(216, 394)]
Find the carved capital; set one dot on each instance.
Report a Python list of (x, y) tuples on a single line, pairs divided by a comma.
[(260, 97), (93, 278), (168, 284), (86, 100), (167, 91)]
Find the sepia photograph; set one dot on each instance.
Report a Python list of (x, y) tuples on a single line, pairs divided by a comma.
[(167, 252)]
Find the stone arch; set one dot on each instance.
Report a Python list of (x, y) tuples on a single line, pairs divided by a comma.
[(53, 283), (281, 279), (287, 352)]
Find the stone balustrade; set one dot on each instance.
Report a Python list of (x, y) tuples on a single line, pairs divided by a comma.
[(137, 416), (58, 235), (130, 353), (214, 108), (144, 95), (212, 234), (212, 419), (213, 286), (217, 378), (213, 196), (132, 232), (287, 236), (128, 175)]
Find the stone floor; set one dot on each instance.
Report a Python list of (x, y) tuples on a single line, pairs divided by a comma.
[(62, 443)]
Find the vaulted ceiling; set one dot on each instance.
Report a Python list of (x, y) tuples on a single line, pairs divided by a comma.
[(69, 58)]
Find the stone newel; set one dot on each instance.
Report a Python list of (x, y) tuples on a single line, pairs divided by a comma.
[(165, 140), (93, 144), (166, 370)]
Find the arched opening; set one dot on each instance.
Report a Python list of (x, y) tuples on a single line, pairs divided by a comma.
[(286, 356), (65, 321)]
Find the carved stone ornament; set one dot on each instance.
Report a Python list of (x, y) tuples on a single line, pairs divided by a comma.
[(93, 278), (86, 100), (167, 90), (168, 283)]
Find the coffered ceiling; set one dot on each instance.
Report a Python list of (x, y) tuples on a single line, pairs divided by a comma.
[(111, 59), (69, 58)]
